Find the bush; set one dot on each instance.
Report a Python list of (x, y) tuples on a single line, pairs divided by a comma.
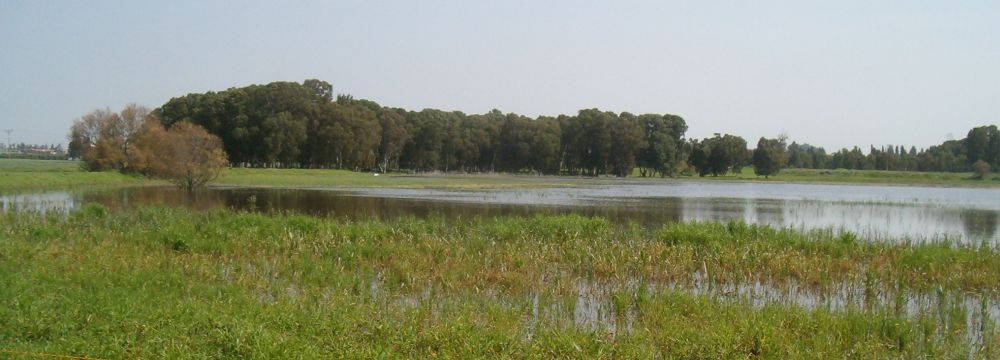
[(981, 169)]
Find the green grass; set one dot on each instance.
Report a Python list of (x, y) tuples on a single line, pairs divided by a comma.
[(19, 174), (168, 283), (306, 178), (23, 165)]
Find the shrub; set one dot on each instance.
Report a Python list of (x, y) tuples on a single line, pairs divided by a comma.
[(981, 169)]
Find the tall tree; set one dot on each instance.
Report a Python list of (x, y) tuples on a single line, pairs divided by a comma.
[(723, 153), (769, 157), (664, 144), (983, 143), (627, 140), (395, 134), (284, 135), (595, 140), (103, 138)]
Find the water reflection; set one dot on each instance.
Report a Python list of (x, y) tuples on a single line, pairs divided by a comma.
[(916, 214), (980, 223)]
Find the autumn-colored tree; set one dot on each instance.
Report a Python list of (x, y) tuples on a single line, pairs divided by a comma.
[(87, 139), (981, 169), (145, 149), (185, 155), (102, 138)]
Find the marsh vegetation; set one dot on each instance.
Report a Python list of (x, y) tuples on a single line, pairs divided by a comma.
[(493, 266), (171, 283)]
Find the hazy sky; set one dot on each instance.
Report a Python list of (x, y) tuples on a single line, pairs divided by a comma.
[(830, 73)]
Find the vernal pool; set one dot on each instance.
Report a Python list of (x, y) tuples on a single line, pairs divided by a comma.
[(916, 214)]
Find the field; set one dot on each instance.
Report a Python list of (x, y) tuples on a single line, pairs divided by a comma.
[(319, 178), (26, 175), (161, 283), (20, 174)]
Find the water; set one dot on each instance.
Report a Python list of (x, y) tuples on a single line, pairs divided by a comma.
[(591, 304), (875, 212)]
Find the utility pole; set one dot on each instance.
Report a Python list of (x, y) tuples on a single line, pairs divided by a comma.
[(10, 154)]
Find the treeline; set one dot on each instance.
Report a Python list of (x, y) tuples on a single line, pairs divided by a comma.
[(33, 151), (981, 144), (33, 148), (287, 124)]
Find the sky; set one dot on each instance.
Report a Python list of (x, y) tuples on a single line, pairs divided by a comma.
[(829, 73)]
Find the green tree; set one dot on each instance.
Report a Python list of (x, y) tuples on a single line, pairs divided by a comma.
[(664, 144), (983, 143), (627, 140), (395, 134), (284, 136), (769, 157), (595, 140), (699, 157), (723, 153), (545, 146)]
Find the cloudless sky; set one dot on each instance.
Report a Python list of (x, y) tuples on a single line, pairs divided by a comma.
[(830, 73)]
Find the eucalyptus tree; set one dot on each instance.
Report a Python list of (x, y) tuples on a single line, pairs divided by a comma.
[(664, 144), (628, 138), (769, 157), (983, 143)]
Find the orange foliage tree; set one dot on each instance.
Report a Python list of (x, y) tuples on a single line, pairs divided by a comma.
[(186, 154), (135, 140)]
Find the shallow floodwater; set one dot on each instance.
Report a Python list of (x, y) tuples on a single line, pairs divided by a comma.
[(877, 212)]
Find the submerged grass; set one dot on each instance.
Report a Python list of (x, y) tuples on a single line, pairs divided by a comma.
[(342, 178), (871, 177), (175, 284)]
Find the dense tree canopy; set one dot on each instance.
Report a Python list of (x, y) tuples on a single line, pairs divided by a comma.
[(663, 150), (769, 156), (287, 124), (719, 155), (983, 143)]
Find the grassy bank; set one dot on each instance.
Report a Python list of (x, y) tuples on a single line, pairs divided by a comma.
[(322, 178), (170, 283), (17, 175), (305, 178), (20, 174)]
